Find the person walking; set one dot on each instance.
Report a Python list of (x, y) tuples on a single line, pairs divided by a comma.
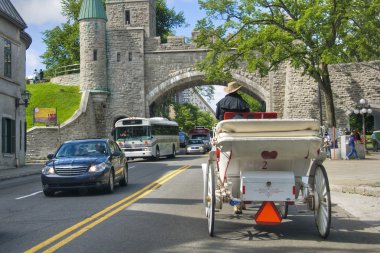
[(232, 102), (326, 145), (351, 144), (375, 143), (35, 76), (41, 75)]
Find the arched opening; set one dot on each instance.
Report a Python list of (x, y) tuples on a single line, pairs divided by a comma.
[(192, 78)]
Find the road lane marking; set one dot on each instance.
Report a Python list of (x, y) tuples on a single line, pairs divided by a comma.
[(105, 217), (35, 193), (120, 205)]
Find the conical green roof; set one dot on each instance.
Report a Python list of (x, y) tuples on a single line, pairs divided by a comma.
[(92, 9)]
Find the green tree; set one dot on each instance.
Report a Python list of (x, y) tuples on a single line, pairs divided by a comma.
[(254, 105), (188, 116), (62, 42), (308, 34), (62, 46), (167, 20)]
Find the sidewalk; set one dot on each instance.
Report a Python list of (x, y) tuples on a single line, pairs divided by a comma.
[(349, 176), (355, 176)]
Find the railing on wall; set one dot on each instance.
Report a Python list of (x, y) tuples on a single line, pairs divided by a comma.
[(68, 69)]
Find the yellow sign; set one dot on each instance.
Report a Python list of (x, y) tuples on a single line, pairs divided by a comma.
[(45, 115)]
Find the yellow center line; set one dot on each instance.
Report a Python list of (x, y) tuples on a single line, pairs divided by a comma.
[(147, 189)]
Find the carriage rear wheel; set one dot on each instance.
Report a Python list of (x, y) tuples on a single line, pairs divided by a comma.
[(210, 208), (322, 202)]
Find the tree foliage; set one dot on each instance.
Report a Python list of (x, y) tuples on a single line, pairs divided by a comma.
[(62, 42), (254, 105), (189, 116), (167, 20), (308, 34)]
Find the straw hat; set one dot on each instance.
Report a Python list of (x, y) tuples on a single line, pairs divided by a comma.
[(232, 87)]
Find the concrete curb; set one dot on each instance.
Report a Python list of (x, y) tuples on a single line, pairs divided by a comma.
[(24, 174), (362, 190)]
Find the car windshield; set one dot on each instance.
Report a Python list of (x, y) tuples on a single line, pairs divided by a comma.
[(195, 142), (93, 148), (133, 132)]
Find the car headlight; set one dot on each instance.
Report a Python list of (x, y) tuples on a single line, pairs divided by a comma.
[(47, 170), (97, 167)]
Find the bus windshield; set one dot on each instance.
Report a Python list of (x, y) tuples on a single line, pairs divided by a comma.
[(133, 132)]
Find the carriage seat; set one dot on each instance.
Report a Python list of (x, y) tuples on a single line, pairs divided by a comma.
[(250, 115)]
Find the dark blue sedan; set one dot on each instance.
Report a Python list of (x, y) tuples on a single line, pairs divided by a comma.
[(88, 163)]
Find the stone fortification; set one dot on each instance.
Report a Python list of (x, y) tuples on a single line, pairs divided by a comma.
[(42, 141), (133, 71), (70, 79)]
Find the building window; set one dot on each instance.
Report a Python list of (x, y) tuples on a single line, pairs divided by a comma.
[(127, 17), (130, 56), (7, 59), (118, 57), (95, 55), (8, 134)]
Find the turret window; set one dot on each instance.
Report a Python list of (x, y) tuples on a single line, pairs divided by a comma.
[(118, 57), (127, 17), (130, 56), (95, 55)]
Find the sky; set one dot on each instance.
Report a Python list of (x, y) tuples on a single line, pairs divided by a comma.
[(42, 15)]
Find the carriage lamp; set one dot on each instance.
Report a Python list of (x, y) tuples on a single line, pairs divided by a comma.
[(25, 97), (363, 108)]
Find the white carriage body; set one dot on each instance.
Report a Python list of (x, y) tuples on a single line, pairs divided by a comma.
[(265, 145), (267, 161), (267, 186)]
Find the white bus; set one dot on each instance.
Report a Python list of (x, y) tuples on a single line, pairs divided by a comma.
[(147, 138)]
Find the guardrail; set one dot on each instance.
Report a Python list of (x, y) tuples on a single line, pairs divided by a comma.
[(68, 69)]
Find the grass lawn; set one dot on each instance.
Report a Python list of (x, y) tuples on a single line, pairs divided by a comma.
[(48, 95)]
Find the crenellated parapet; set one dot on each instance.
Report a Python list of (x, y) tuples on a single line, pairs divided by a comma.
[(173, 43)]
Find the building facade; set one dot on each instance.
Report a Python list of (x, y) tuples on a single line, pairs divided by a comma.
[(13, 44)]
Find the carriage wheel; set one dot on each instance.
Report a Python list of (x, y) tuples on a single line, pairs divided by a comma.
[(322, 201), (210, 208)]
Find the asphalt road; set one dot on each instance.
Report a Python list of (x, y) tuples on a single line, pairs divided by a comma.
[(161, 210)]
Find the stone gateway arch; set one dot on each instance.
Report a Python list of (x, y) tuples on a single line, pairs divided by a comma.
[(125, 69)]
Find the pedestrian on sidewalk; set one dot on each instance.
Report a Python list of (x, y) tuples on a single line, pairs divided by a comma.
[(326, 145), (351, 144), (375, 143)]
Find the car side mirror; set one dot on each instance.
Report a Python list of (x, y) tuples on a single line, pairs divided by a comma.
[(50, 156)]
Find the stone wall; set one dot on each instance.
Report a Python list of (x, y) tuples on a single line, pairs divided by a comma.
[(70, 79), (125, 75), (42, 141)]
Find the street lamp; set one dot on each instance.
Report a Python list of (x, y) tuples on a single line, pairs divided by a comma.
[(363, 107), (25, 97)]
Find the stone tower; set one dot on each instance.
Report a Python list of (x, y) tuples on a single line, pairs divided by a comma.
[(93, 60), (133, 14), (92, 30)]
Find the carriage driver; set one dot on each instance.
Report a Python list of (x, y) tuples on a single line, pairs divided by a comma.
[(232, 102)]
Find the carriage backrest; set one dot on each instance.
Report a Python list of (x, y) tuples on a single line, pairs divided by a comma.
[(250, 115)]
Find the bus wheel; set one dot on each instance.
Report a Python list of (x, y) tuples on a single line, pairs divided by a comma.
[(173, 154)]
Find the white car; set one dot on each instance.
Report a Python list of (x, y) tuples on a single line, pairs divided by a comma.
[(195, 146)]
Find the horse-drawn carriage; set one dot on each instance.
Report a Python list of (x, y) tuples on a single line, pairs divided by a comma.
[(259, 159)]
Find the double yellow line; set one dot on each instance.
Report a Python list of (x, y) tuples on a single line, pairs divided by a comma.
[(80, 228)]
